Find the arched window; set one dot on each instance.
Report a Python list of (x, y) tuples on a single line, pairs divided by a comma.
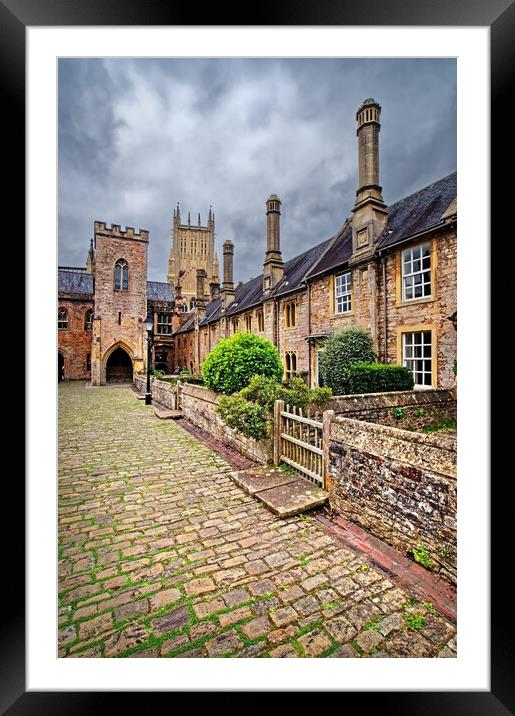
[(192, 304), (88, 319), (121, 275), (62, 319)]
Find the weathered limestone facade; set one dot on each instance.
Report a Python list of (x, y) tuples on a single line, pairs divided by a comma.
[(390, 270), (119, 313)]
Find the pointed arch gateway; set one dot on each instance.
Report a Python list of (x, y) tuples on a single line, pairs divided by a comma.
[(118, 364)]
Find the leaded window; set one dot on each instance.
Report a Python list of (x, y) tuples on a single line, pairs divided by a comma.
[(290, 360), (121, 275), (164, 324), (88, 319)]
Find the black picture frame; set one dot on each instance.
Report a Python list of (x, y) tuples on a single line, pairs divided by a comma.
[(499, 16)]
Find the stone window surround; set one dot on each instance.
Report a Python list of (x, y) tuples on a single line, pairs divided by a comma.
[(417, 328), (123, 283), (290, 363), (399, 301), (290, 313), (260, 321), (166, 323), (343, 294)]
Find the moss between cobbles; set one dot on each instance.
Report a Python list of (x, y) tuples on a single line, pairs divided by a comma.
[(373, 623), (356, 646)]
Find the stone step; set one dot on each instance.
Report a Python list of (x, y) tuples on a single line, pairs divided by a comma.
[(164, 414), (283, 493)]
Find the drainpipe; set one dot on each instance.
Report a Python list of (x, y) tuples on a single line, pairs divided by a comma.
[(309, 333), (385, 313)]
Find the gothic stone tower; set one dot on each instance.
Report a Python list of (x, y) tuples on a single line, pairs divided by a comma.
[(193, 247), (120, 271)]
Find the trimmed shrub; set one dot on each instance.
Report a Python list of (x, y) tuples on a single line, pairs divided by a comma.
[(265, 391), (248, 418), (379, 378), (319, 397), (233, 362), (340, 352)]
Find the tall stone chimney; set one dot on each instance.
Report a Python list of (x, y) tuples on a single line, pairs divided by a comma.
[(201, 297), (227, 292), (369, 213), (273, 268)]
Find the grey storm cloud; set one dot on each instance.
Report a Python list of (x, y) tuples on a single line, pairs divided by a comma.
[(136, 136)]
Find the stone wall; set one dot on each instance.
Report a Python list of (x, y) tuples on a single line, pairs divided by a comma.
[(407, 498), (419, 407), (199, 407)]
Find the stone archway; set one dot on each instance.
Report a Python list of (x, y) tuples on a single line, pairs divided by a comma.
[(119, 367)]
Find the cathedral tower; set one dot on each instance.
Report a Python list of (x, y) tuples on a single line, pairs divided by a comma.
[(193, 247)]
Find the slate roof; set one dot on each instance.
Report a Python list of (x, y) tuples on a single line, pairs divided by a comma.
[(159, 291), (212, 312), (339, 250), (74, 281), (188, 325), (413, 214), (420, 211)]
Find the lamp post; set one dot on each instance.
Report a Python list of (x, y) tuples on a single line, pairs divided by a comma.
[(149, 325)]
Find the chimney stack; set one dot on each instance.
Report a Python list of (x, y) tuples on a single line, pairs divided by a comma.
[(273, 268), (227, 292), (370, 214)]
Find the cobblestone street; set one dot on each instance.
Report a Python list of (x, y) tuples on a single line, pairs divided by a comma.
[(162, 555)]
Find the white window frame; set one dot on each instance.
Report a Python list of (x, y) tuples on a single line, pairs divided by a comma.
[(417, 342), (418, 274), (342, 293)]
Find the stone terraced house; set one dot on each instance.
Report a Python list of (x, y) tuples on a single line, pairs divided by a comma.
[(388, 269)]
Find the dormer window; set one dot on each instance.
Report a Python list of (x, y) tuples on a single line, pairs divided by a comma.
[(121, 275)]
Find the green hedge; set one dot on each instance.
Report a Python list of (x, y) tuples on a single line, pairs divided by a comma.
[(379, 378), (232, 363), (248, 418)]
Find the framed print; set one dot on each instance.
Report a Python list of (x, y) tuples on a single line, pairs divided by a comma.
[(39, 45)]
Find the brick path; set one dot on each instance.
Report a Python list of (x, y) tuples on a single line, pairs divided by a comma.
[(161, 554)]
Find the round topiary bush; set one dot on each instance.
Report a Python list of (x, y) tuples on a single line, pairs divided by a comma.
[(231, 364), (342, 350)]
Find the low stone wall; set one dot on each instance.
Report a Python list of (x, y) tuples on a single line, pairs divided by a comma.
[(199, 407), (398, 485), (419, 407)]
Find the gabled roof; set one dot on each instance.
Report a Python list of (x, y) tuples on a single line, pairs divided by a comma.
[(420, 211), (159, 291), (74, 281)]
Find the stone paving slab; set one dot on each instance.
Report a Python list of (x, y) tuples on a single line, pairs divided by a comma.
[(293, 497), (258, 478), (165, 414), (162, 555)]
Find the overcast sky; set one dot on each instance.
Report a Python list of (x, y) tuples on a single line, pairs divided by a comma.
[(138, 136)]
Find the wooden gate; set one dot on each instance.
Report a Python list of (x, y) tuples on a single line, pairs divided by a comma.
[(298, 441)]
